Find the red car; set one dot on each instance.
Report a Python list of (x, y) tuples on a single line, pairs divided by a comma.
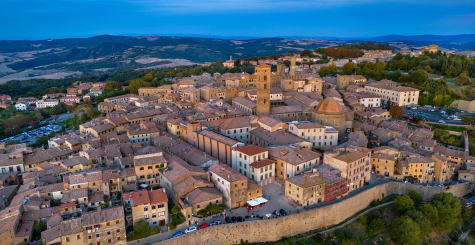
[(202, 226)]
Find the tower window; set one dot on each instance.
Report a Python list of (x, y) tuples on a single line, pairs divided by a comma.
[(264, 101), (265, 86)]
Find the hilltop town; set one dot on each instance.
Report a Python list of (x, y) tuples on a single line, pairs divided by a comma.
[(169, 161)]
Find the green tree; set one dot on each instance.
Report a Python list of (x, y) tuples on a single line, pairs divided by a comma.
[(405, 78), (348, 68), (424, 223), (449, 210), (420, 76), (377, 225), (149, 77), (415, 196), (176, 209), (135, 85), (171, 74), (404, 231), (403, 203), (155, 230), (463, 79), (388, 104), (141, 227)]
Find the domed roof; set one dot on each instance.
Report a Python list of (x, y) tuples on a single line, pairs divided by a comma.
[(329, 106)]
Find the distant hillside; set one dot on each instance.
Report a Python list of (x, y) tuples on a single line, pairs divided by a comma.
[(434, 38), (367, 46), (98, 51)]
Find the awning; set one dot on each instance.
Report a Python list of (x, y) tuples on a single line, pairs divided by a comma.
[(257, 201)]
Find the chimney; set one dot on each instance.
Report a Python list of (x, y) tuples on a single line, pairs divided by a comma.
[(231, 57)]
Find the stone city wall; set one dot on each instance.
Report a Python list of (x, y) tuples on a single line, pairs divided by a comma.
[(294, 224)]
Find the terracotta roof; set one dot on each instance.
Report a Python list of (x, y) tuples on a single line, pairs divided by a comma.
[(349, 157), (308, 125), (262, 163), (104, 215), (251, 150), (329, 106), (278, 137), (226, 172), (157, 196), (149, 159), (293, 155), (307, 180), (200, 195)]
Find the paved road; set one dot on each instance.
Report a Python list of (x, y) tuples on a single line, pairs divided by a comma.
[(464, 235)]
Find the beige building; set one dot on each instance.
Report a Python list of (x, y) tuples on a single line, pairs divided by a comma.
[(321, 136), (46, 103), (443, 170), (305, 189), (292, 161), (398, 95), (419, 167), (355, 164), (148, 205), (252, 161), (148, 166), (383, 164), (236, 188)]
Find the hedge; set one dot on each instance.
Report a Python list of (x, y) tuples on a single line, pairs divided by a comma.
[(447, 127)]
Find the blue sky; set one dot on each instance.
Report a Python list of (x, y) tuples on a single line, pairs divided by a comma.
[(39, 19)]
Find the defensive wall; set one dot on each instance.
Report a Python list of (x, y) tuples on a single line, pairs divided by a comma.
[(298, 223)]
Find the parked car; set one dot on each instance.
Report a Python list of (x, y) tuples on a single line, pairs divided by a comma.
[(240, 219), (191, 229), (283, 212), (178, 233), (202, 226), (228, 220), (216, 222), (234, 219)]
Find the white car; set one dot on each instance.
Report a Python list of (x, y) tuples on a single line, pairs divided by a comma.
[(457, 119), (414, 107), (191, 229), (443, 112), (441, 121)]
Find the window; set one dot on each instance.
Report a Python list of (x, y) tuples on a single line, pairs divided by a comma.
[(67, 239), (154, 215), (108, 233), (118, 230), (97, 235), (149, 167), (109, 241), (117, 221), (145, 208), (141, 168), (163, 213), (146, 216)]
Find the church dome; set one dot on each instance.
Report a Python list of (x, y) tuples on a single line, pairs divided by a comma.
[(329, 106)]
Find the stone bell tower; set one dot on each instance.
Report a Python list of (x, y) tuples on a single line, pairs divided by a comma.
[(263, 73)]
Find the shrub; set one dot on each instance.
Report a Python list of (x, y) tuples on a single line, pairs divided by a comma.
[(155, 230), (171, 226), (203, 212)]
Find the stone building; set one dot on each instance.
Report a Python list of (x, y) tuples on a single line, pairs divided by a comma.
[(148, 205), (236, 188), (148, 166), (330, 113), (263, 89), (305, 189), (292, 161)]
